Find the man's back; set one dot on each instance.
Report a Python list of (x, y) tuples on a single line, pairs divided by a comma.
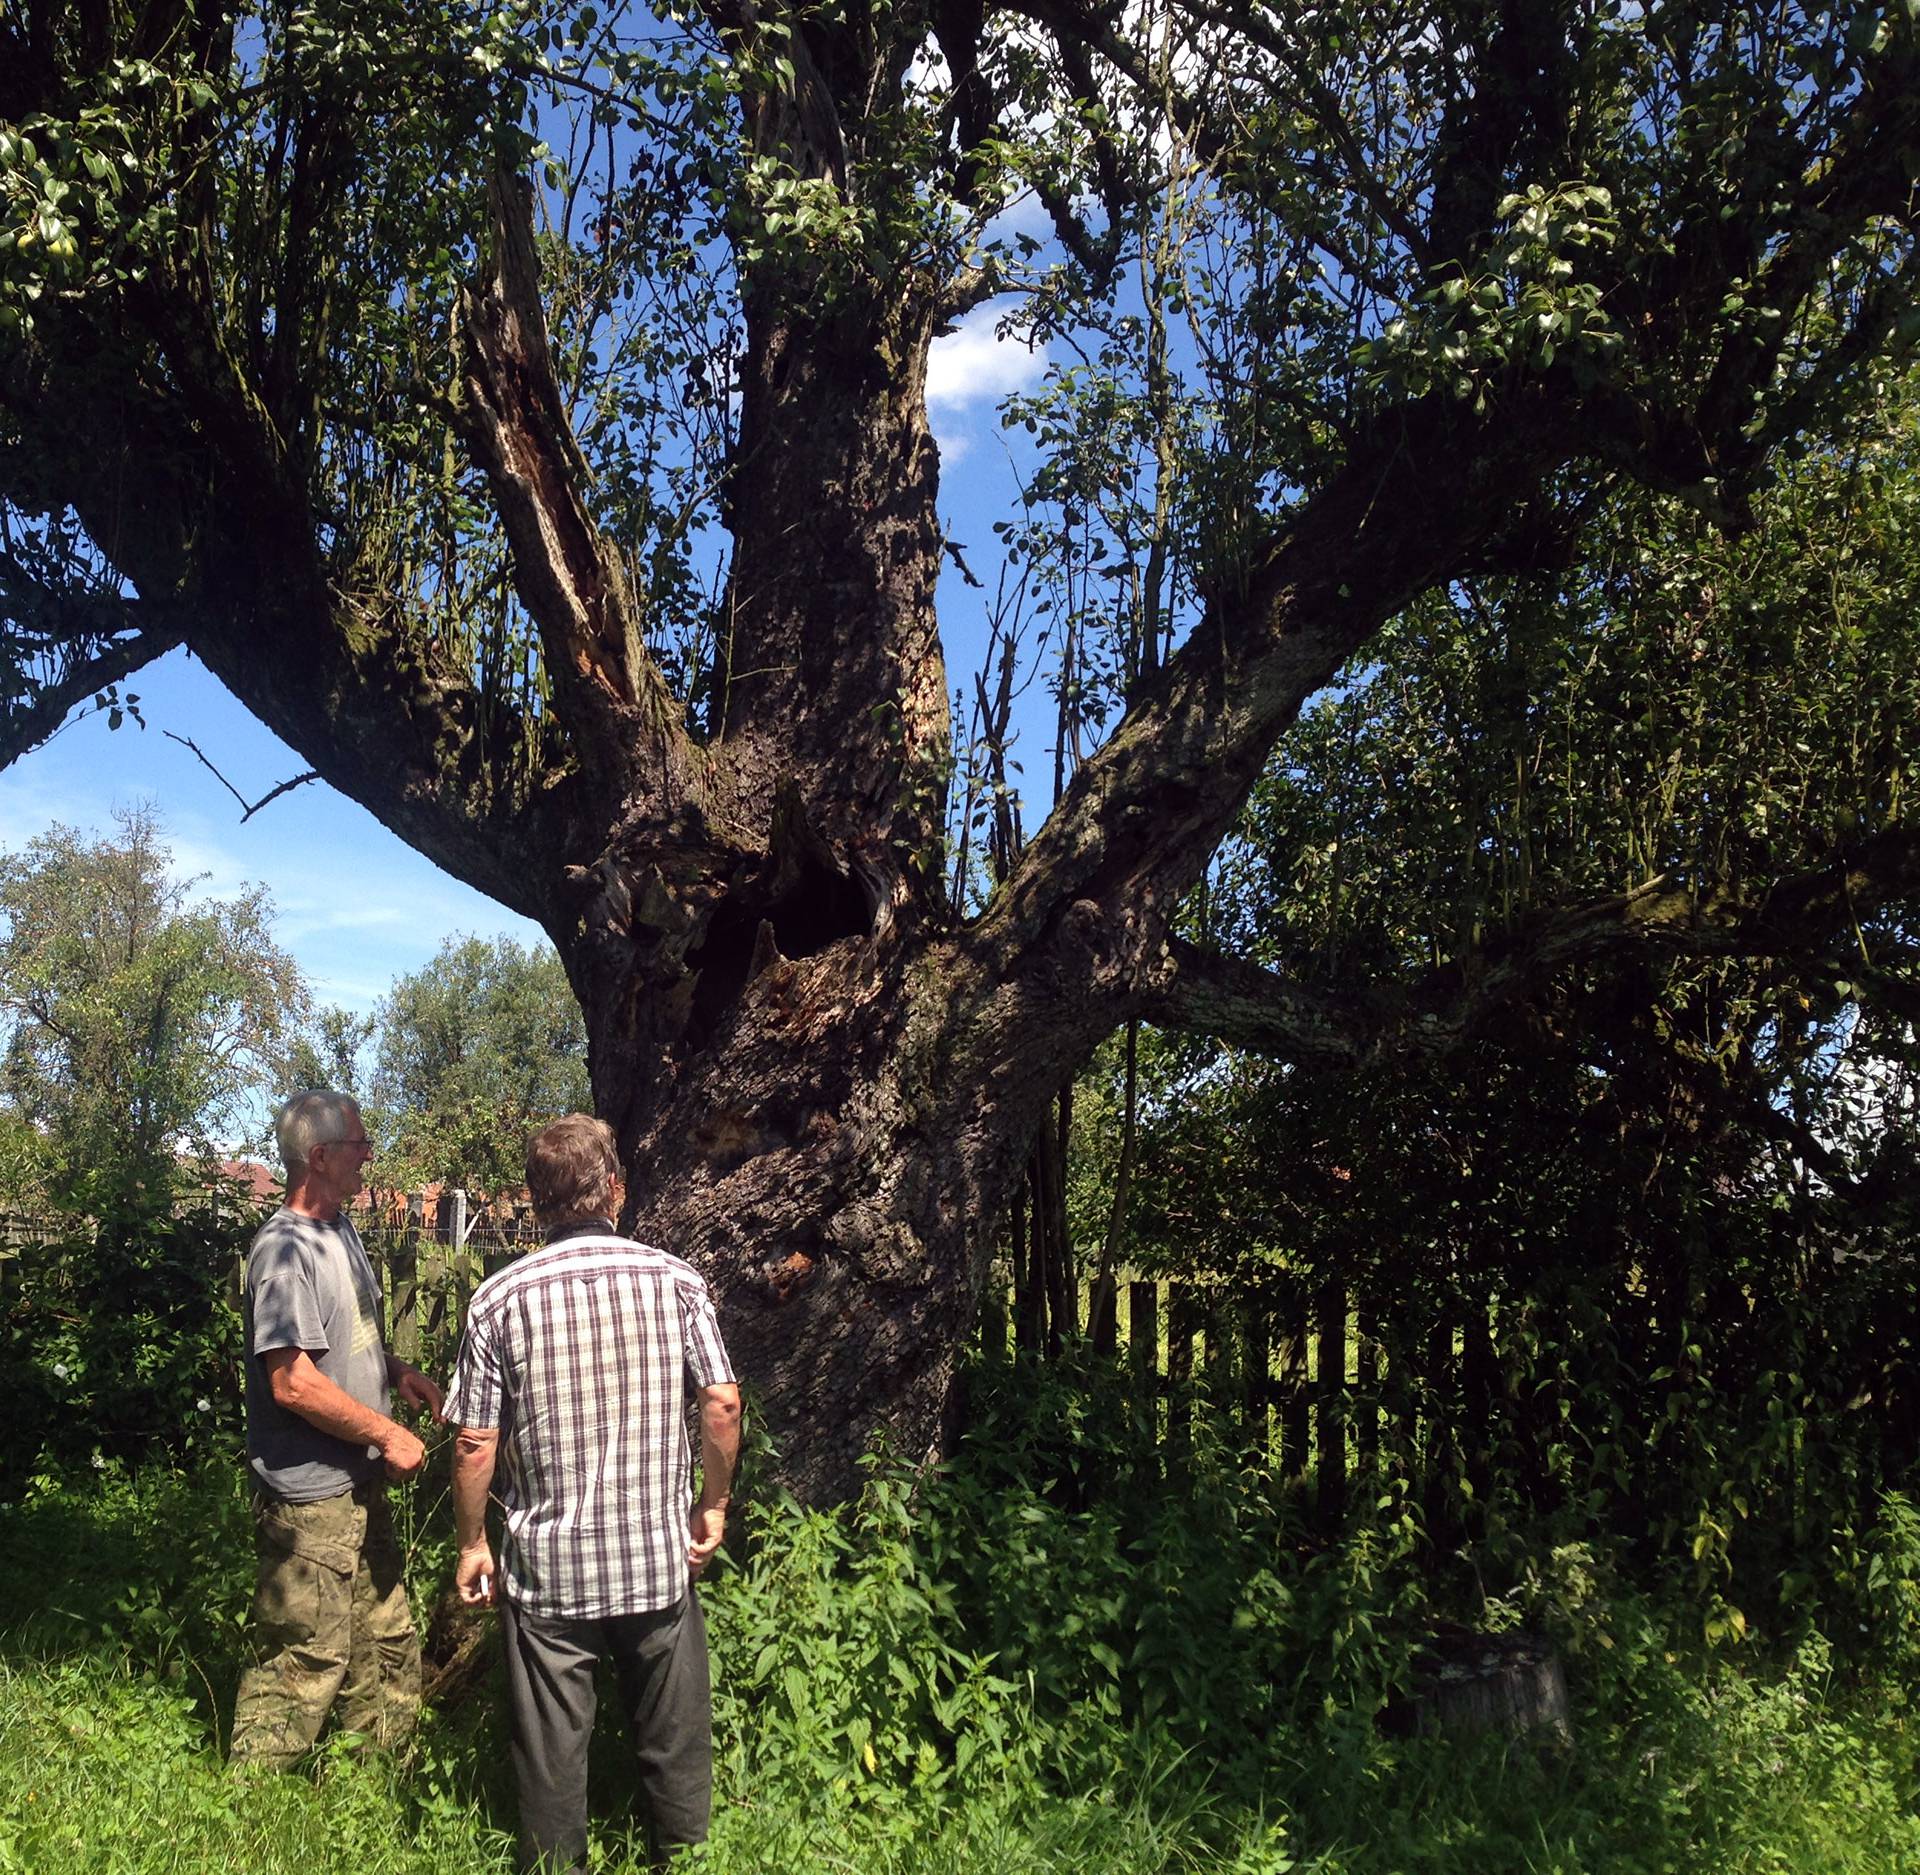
[(581, 1353), (574, 1368)]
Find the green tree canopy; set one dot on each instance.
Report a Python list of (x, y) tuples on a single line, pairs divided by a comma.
[(1598, 888), (140, 1017), (1597, 1105), (326, 1051), (474, 1052)]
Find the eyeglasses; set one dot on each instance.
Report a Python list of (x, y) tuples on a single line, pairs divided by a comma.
[(363, 1140)]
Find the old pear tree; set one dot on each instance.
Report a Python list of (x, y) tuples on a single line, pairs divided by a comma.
[(523, 412)]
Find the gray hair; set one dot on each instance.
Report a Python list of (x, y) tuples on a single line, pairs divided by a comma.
[(316, 1117)]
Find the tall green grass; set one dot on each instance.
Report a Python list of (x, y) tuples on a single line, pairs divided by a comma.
[(1014, 1666)]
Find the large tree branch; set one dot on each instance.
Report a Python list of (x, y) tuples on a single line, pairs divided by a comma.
[(154, 416), (1808, 924), (513, 414), (175, 470), (91, 640), (1100, 253), (1699, 426), (1424, 492), (1078, 30), (1501, 126), (1868, 177), (1197, 991), (1135, 828)]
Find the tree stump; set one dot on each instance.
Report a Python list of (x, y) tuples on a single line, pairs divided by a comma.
[(1470, 1683), (458, 1650)]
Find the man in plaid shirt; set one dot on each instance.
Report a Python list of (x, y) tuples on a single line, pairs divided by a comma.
[(573, 1367)]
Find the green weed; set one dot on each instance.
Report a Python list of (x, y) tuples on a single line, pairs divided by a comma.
[(995, 1668)]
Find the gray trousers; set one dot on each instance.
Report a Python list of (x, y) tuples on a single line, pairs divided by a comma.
[(666, 1692)]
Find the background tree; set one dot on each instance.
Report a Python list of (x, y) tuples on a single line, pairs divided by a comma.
[(144, 1026), (139, 1019), (475, 1051), (433, 470), (326, 1050)]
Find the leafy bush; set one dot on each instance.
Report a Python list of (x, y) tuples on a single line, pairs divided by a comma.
[(1004, 1665), (121, 1338), (841, 1661)]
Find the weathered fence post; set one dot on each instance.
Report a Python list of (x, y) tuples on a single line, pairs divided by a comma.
[(1331, 1488), (1439, 1429), (1479, 1388), (1216, 1348), (1257, 1392), (993, 1320), (1181, 1313), (1029, 1273), (403, 1279), (1296, 1432), (1143, 1353)]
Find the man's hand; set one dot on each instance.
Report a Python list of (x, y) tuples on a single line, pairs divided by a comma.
[(474, 1450), (707, 1527), (402, 1451), (474, 1576), (413, 1386)]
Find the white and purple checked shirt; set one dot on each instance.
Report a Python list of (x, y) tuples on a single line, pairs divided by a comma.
[(580, 1353)]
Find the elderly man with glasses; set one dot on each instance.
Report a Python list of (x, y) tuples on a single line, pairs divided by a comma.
[(331, 1625)]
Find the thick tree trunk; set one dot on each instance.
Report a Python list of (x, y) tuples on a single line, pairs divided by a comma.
[(808, 1074), (835, 1186), (833, 1151)]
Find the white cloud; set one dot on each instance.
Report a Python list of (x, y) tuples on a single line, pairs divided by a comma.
[(196, 855), (34, 801), (970, 367), (308, 917), (353, 993), (1024, 214), (973, 364)]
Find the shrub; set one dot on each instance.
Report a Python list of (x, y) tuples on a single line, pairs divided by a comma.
[(122, 1337)]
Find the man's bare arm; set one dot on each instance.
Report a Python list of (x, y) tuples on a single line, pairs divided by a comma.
[(719, 1453), (475, 1449), (298, 1385)]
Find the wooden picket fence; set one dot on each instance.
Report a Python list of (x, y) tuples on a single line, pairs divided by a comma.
[(21, 1236), (1306, 1388), (1306, 1392), (430, 1255), (1323, 1384)]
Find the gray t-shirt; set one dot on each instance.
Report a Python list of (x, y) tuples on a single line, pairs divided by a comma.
[(309, 1285)]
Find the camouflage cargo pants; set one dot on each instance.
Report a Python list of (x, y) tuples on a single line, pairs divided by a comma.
[(331, 1626)]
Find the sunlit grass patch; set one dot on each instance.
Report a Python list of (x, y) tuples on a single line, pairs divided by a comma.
[(964, 1676)]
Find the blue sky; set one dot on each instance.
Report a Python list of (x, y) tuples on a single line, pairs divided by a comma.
[(357, 907)]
